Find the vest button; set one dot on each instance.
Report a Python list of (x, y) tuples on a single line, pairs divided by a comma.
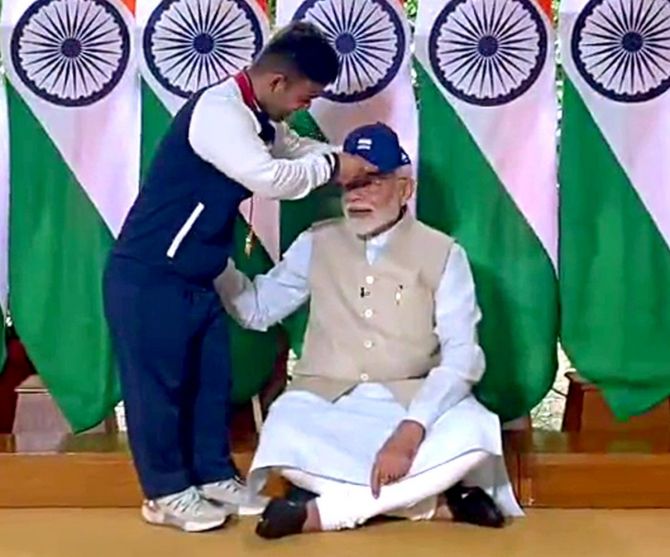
[(364, 377), (368, 344), (369, 279), (368, 313)]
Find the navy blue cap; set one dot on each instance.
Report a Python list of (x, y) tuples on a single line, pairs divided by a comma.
[(377, 144)]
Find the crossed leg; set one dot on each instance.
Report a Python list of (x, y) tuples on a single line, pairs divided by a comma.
[(343, 505)]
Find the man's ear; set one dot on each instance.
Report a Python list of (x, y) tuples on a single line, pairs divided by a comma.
[(407, 184), (277, 82)]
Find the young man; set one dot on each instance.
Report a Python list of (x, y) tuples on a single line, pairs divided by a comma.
[(379, 418), (169, 331)]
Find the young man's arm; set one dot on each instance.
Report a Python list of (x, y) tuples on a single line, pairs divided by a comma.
[(271, 297), (224, 133), (290, 145)]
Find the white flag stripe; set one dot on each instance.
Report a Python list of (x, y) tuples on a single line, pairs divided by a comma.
[(98, 139), (518, 137), (143, 10), (636, 131)]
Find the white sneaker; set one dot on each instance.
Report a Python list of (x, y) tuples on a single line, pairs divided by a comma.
[(234, 492), (186, 510)]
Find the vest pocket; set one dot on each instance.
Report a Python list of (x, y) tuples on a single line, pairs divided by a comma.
[(184, 230), (409, 304)]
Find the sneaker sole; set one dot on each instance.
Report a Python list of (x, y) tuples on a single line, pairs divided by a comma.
[(236, 509), (160, 519), (239, 511), (250, 511)]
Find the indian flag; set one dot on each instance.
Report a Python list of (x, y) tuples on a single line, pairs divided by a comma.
[(615, 198), (487, 176), (187, 45), (73, 107), (373, 39)]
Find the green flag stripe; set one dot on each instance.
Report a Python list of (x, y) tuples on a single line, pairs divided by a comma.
[(254, 353), (614, 271), (155, 122), (460, 194), (58, 249)]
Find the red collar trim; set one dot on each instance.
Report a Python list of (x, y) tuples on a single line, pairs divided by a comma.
[(244, 83)]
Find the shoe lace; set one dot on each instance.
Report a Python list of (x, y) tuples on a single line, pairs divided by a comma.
[(189, 501), (234, 485)]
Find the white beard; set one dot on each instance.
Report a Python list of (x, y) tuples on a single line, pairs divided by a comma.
[(362, 226), (369, 225), (366, 226)]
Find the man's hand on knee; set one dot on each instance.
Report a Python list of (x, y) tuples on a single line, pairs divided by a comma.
[(395, 458)]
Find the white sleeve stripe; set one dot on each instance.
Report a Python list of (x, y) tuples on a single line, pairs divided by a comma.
[(184, 230)]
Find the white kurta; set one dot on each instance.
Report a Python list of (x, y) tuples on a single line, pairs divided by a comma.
[(340, 440)]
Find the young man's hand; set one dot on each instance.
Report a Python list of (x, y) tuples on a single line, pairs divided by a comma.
[(395, 458), (352, 169)]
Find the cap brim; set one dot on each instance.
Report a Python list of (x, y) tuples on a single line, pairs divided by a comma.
[(404, 161)]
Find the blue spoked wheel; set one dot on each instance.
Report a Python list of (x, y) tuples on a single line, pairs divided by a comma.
[(370, 40), (622, 48), (488, 52), (191, 44), (70, 52)]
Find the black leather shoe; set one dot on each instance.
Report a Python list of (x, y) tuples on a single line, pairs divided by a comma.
[(300, 495), (474, 506), (282, 518)]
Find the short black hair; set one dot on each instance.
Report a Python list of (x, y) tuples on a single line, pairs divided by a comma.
[(301, 50)]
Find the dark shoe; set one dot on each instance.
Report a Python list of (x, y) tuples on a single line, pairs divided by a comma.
[(474, 506), (282, 518), (300, 495)]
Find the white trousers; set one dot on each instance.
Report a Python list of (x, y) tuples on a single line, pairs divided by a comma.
[(343, 505)]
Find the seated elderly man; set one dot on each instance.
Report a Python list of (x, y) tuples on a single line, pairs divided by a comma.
[(379, 418)]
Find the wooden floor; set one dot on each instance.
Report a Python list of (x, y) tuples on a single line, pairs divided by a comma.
[(547, 469), (543, 533)]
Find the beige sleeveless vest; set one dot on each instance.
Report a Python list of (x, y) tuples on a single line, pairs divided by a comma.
[(372, 323)]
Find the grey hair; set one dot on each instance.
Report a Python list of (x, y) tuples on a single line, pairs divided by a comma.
[(405, 171)]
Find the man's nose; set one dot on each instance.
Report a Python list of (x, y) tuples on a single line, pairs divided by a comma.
[(355, 193)]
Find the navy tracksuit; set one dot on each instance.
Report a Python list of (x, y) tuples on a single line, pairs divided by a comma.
[(168, 326)]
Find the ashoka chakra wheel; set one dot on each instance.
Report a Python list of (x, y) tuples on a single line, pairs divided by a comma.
[(70, 52), (622, 48), (191, 44), (488, 52), (370, 41)]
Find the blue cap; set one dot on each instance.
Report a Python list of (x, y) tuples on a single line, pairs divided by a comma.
[(377, 144)]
